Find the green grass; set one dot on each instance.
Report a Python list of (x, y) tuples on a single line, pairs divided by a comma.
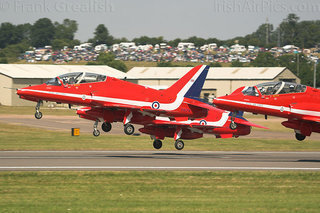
[(15, 137), (159, 191)]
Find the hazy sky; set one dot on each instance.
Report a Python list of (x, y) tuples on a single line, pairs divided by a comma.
[(222, 19)]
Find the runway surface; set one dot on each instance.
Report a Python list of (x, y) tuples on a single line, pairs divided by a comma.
[(65, 123), (157, 160)]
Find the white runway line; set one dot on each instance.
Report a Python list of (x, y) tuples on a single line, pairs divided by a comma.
[(152, 168)]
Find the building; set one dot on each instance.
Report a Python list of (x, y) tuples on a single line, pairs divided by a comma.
[(220, 80), (14, 76)]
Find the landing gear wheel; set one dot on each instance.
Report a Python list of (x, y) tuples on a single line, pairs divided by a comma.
[(233, 125), (179, 144), (300, 137), (106, 127), (157, 144), (128, 129), (96, 133), (38, 115)]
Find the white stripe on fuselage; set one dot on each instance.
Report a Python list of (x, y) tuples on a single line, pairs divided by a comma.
[(280, 108), (163, 106)]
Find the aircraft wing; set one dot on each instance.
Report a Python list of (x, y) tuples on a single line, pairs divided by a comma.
[(311, 118), (130, 107)]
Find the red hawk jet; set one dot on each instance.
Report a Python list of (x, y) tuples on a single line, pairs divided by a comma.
[(120, 100), (298, 103)]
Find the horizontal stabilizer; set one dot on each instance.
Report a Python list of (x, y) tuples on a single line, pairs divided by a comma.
[(248, 123)]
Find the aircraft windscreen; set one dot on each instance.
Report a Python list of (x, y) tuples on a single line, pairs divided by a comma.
[(71, 78), (92, 77), (53, 82), (77, 78), (274, 88), (250, 91)]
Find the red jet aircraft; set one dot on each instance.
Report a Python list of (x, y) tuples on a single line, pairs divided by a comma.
[(298, 103), (216, 122), (120, 100)]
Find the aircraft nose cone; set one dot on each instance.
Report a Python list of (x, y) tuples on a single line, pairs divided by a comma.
[(216, 101), (19, 92)]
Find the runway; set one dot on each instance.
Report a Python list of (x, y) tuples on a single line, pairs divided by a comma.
[(65, 123), (157, 160)]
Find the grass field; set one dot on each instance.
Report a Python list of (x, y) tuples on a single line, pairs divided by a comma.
[(151, 191), (159, 191), (16, 137)]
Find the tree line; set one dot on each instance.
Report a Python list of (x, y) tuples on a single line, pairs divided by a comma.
[(15, 39), (304, 34)]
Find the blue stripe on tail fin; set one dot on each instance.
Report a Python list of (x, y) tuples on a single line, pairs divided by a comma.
[(195, 89)]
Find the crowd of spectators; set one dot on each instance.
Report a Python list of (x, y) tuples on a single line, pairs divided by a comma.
[(184, 52)]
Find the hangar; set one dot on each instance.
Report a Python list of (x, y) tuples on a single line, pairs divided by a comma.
[(220, 80), (22, 75)]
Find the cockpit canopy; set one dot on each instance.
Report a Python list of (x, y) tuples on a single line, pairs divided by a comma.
[(76, 78), (274, 88)]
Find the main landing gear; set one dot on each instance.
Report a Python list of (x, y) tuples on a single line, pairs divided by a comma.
[(157, 144), (38, 114), (128, 129), (233, 125), (106, 127), (179, 145), (96, 132), (300, 137)]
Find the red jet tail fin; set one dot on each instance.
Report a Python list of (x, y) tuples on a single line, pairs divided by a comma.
[(190, 84)]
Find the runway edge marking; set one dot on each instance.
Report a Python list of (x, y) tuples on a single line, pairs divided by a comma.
[(156, 168)]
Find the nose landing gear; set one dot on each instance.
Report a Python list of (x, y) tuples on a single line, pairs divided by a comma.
[(38, 114)]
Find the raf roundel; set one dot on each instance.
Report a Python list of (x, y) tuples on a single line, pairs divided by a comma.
[(203, 122), (155, 105)]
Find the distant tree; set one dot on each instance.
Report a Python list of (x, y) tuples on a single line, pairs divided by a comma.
[(109, 60), (102, 36), (165, 64), (66, 30), (289, 30), (119, 40), (236, 63), (3, 60), (11, 52), (8, 34), (175, 42), (213, 40), (143, 40), (215, 64), (119, 65), (198, 42), (58, 44), (24, 32), (265, 59), (42, 32)]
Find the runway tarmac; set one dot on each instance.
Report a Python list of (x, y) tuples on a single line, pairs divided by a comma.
[(65, 123), (157, 160)]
